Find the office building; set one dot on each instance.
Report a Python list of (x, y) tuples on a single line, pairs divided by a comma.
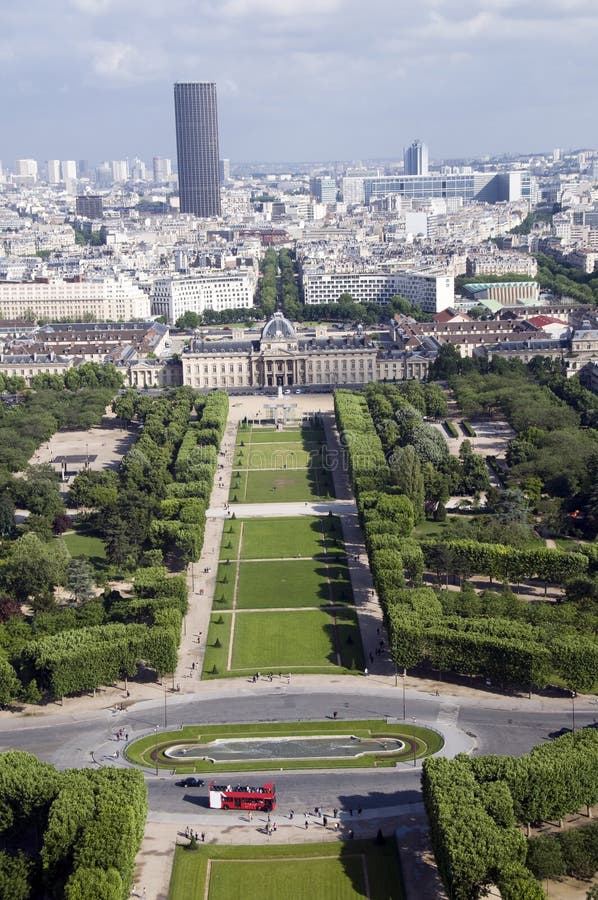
[(91, 206), (119, 169), (162, 169), (53, 171), (196, 119), (484, 187), (68, 170), (224, 170), (83, 168), (353, 192), (431, 291), (323, 189), (415, 159), (26, 168), (101, 299), (171, 297)]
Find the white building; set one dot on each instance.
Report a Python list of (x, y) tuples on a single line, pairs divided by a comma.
[(103, 299), (68, 169), (26, 168), (171, 297), (162, 169), (53, 171), (353, 190), (432, 291), (119, 169)]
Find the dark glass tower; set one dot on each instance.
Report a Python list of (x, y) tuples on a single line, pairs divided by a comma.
[(196, 118)]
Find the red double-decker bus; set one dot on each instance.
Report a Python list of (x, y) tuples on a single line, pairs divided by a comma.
[(241, 796)]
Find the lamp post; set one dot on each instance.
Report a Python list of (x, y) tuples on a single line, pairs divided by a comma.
[(156, 747), (165, 713), (404, 676), (573, 696)]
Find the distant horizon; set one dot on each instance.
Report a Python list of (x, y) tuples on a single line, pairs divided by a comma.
[(329, 163)]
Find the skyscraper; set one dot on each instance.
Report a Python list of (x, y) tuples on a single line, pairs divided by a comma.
[(415, 159), (196, 119)]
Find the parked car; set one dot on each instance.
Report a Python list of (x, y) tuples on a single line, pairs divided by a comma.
[(190, 781)]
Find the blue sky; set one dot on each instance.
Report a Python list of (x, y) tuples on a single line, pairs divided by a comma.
[(299, 79)]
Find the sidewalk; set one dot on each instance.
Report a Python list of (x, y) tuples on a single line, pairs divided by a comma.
[(154, 860)]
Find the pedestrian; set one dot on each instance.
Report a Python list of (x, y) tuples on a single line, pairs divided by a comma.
[(334, 714), (250, 817), (203, 837), (337, 825), (359, 811), (268, 819), (126, 735), (306, 824), (316, 810), (335, 812), (274, 826), (365, 671), (351, 834), (324, 821), (291, 813)]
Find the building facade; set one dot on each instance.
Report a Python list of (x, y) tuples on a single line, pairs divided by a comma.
[(102, 299), (415, 159), (171, 297), (432, 291), (198, 156)]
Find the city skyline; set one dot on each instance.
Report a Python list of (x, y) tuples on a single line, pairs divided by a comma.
[(320, 80)]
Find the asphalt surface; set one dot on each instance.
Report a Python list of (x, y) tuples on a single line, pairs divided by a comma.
[(503, 726)]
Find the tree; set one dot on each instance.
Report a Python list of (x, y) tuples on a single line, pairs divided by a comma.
[(34, 568), (406, 473), (7, 515), (188, 320), (79, 579)]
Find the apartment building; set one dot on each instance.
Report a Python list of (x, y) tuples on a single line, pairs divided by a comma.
[(171, 297), (102, 299)]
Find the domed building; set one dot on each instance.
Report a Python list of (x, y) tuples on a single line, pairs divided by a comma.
[(279, 356)]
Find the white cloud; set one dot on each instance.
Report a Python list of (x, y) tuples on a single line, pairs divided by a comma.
[(118, 62)]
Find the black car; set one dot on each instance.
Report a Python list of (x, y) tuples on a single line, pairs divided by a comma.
[(190, 781)]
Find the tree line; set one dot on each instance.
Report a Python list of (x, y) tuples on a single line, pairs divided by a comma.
[(72, 834), (475, 805)]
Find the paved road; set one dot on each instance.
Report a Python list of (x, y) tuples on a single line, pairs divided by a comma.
[(503, 725)]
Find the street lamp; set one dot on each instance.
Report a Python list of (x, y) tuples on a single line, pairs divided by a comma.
[(165, 694), (156, 747), (404, 677), (573, 696)]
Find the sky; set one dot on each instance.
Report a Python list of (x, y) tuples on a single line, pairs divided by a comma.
[(299, 79)]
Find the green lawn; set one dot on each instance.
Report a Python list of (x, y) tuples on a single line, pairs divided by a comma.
[(284, 485), (299, 536), (302, 640), (218, 640), (82, 543), (332, 871), (296, 582), (277, 456), (257, 435)]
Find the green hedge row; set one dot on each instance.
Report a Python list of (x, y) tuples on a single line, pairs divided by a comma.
[(474, 805), (89, 825)]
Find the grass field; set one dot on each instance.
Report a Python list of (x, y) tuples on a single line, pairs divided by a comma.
[(296, 641), (277, 456), (258, 435), (84, 543), (278, 538), (331, 871), (420, 741), (281, 485), (305, 582)]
